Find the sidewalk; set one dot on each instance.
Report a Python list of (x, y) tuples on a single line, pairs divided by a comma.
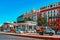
[(33, 35)]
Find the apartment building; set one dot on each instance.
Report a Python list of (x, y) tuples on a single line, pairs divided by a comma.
[(51, 12)]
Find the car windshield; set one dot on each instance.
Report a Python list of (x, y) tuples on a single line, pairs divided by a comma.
[(48, 29)]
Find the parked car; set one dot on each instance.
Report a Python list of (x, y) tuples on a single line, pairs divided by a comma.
[(49, 31), (45, 30), (7, 30), (12, 30), (32, 31), (17, 31), (58, 32), (21, 31)]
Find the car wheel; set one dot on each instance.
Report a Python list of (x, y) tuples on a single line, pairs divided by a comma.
[(40, 33), (51, 34)]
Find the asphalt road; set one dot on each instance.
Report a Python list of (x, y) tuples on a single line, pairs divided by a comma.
[(8, 37)]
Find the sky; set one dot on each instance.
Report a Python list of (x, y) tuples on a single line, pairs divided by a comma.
[(11, 9)]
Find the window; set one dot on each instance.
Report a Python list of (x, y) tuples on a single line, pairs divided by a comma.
[(59, 3), (23, 28), (51, 5), (42, 14), (51, 13), (30, 28), (35, 27), (48, 13), (54, 5), (54, 12), (48, 6)]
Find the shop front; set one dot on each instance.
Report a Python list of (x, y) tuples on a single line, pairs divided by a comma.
[(20, 27), (24, 27)]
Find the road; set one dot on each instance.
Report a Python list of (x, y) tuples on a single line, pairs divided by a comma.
[(8, 37)]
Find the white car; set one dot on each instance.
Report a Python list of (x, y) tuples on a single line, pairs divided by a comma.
[(21, 31)]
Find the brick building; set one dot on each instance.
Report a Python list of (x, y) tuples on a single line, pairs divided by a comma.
[(51, 13)]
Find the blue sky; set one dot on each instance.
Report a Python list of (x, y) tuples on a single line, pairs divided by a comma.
[(11, 9)]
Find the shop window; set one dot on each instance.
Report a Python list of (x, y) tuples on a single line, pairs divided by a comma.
[(35, 27), (18, 27), (23, 28), (30, 28)]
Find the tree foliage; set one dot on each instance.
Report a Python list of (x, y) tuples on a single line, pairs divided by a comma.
[(41, 21), (27, 19)]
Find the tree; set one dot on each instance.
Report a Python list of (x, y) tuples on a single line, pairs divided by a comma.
[(41, 21), (27, 19)]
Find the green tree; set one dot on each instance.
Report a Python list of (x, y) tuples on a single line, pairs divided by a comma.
[(41, 21), (27, 19)]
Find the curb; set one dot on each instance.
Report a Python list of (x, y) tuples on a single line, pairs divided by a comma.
[(30, 36)]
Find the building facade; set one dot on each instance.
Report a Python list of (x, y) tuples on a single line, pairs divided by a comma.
[(51, 13), (28, 22), (34, 15), (20, 19)]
